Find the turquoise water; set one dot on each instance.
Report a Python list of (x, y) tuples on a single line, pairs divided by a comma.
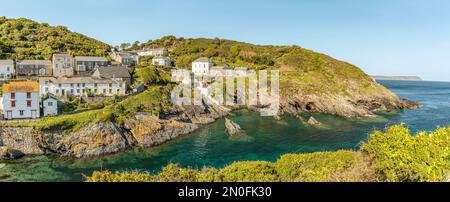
[(266, 139)]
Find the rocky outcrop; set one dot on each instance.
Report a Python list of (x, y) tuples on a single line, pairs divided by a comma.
[(313, 122), (152, 131), (232, 128), (363, 107), (95, 140), (23, 139), (7, 153)]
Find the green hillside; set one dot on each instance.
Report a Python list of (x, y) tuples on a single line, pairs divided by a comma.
[(26, 39), (304, 72)]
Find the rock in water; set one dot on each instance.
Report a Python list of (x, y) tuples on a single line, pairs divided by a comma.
[(232, 128), (313, 122), (7, 153)]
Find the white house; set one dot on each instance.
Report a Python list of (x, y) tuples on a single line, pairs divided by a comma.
[(162, 61), (63, 65), (21, 100), (50, 105), (152, 52), (6, 69), (202, 65), (81, 86)]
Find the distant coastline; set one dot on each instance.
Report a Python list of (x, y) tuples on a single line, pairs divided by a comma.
[(398, 78)]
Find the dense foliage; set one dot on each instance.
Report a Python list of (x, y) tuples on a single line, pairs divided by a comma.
[(398, 156), (25, 39), (394, 156), (302, 69)]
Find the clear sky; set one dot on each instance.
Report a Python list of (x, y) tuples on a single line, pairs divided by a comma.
[(383, 37)]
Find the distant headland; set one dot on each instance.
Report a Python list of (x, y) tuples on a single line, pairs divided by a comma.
[(398, 78)]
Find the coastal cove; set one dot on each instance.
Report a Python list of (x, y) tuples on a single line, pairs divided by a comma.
[(265, 139)]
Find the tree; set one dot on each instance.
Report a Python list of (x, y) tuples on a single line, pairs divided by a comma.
[(124, 46)]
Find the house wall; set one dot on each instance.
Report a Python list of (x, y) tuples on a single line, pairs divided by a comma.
[(109, 89), (82, 66), (21, 106), (50, 106), (201, 67), (162, 62), (6, 71), (63, 66)]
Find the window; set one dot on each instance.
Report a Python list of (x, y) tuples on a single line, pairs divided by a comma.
[(110, 91), (110, 85), (71, 85), (104, 91), (71, 91), (84, 85), (13, 96), (50, 104), (8, 69), (95, 91), (59, 85), (21, 112), (13, 103), (57, 91), (28, 103), (78, 91), (46, 89), (29, 95)]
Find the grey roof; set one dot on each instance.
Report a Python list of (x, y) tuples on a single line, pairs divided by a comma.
[(34, 62), (202, 59), (113, 72), (91, 59), (6, 62)]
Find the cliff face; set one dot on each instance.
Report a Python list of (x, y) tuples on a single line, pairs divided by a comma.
[(98, 139)]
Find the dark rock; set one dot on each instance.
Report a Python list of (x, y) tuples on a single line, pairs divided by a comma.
[(232, 128), (7, 153)]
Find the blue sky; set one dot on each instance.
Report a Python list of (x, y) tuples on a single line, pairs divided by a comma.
[(383, 37)]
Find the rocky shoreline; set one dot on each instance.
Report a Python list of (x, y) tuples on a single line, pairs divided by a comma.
[(145, 131)]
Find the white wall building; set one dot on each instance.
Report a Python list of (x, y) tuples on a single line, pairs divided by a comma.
[(50, 106), (202, 65), (82, 86), (162, 61), (6, 69), (21, 100), (152, 52)]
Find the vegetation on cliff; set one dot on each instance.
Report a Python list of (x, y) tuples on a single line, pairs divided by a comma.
[(393, 156), (307, 70), (26, 39)]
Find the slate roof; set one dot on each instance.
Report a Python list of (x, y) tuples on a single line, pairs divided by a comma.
[(90, 59), (113, 72)]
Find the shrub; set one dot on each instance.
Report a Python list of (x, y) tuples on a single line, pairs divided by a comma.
[(399, 157), (314, 167)]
